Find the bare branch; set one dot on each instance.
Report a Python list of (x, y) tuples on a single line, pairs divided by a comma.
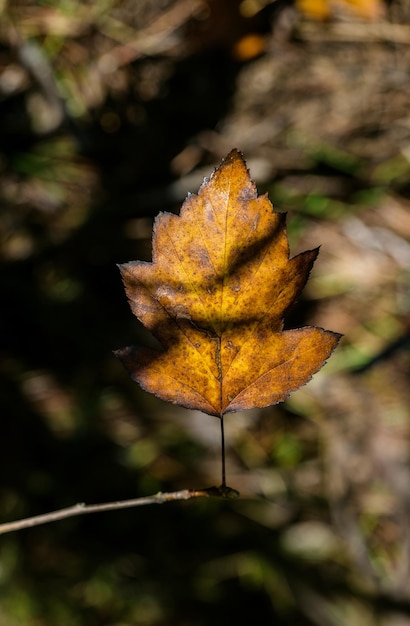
[(82, 508)]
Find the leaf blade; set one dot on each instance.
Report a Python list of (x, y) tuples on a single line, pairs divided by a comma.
[(215, 296)]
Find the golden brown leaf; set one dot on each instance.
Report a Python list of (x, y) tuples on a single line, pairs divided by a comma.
[(215, 296)]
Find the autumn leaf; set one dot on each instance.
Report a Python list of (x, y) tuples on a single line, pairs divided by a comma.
[(327, 9), (215, 296)]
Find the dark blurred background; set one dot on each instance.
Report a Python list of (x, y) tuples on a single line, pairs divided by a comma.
[(111, 111)]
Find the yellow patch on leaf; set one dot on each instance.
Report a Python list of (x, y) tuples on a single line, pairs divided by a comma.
[(215, 296)]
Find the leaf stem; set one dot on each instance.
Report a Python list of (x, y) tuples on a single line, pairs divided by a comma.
[(223, 451)]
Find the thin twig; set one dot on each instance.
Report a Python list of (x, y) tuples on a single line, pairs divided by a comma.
[(82, 508)]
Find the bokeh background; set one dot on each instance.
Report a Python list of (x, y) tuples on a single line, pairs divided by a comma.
[(110, 111)]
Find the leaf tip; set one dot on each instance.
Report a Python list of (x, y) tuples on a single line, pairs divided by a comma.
[(235, 157)]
